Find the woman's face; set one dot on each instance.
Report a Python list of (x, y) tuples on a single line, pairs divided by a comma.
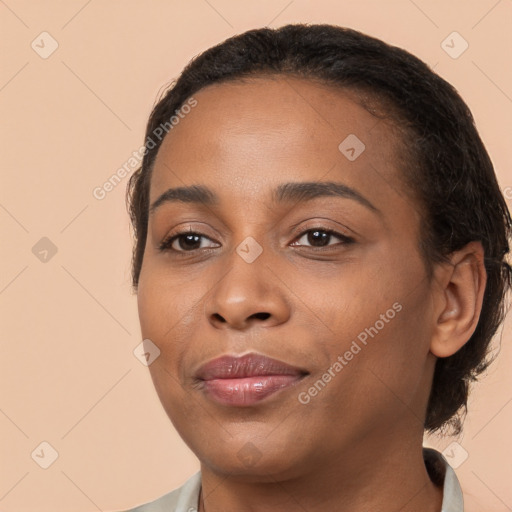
[(331, 285)]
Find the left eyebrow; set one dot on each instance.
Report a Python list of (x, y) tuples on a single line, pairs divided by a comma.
[(308, 190), (285, 192)]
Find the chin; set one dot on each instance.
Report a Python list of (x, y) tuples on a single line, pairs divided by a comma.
[(264, 469), (241, 458)]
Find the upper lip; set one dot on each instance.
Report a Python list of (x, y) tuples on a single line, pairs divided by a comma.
[(248, 365)]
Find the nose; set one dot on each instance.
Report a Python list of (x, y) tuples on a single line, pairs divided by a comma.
[(248, 294)]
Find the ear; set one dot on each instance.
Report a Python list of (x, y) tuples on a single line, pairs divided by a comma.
[(458, 299)]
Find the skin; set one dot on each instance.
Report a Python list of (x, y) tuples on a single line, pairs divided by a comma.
[(357, 444)]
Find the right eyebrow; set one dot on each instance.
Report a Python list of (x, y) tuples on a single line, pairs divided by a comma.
[(189, 194)]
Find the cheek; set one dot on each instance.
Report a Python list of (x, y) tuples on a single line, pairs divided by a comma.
[(394, 362), (165, 318), (170, 313), (163, 302), (379, 377), (379, 326), (352, 299)]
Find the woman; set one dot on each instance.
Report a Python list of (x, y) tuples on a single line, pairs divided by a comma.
[(320, 267)]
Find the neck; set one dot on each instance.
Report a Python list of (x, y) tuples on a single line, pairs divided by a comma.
[(385, 476)]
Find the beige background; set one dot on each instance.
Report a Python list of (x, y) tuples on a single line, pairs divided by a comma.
[(69, 324)]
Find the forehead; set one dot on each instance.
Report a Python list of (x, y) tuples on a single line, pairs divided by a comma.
[(259, 130)]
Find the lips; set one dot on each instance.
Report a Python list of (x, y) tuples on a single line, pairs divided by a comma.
[(245, 380)]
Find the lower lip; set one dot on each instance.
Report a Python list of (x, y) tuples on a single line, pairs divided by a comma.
[(249, 390)]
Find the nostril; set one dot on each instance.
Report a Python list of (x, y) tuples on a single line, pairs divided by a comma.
[(261, 316), (218, 317)]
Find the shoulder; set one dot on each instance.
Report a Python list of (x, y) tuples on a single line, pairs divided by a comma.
[(182, 499), (442, 474)]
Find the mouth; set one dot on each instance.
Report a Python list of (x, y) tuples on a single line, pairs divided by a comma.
[(245, 380)]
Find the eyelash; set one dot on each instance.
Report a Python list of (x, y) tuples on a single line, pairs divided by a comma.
[(166, 244)]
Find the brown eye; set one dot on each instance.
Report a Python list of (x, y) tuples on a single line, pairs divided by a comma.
[(186, 241), (319, 237)]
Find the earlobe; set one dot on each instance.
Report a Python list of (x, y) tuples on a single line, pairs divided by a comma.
[(460, 299)]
